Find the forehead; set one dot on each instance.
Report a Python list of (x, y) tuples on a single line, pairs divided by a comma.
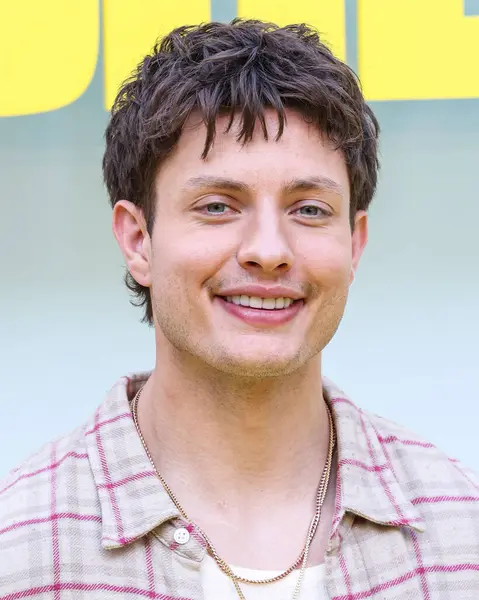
[(301, 152)]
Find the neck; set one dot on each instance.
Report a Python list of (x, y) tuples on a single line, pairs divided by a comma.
[(233, 438)]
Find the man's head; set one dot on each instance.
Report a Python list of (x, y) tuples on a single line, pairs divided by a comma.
[(242, 155)]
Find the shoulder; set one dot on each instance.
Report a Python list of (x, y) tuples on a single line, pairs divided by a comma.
[(429, 477), (53, 486)]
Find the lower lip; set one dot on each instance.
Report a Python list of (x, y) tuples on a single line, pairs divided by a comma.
[(262, 316)]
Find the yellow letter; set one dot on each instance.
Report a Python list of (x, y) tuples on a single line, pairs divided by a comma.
[(327, 16), (48, 53), (417, 49), (131, 27)]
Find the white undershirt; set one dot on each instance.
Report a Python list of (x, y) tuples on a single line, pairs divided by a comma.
[(217, 586)]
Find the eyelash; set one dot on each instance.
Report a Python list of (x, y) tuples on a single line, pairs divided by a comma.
[(205, 207), (322, 211)]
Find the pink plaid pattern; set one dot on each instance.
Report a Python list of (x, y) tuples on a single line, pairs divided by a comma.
[(86, 517)]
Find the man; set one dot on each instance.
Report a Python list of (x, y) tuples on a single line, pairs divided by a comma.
[(240, 162)]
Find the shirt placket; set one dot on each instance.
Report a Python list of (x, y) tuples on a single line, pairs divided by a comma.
[(180, 550)]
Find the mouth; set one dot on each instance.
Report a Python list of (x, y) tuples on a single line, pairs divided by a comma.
[(258, 311), (260, 303)]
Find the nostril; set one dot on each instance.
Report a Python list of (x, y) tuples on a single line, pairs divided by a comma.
[(256, 265)]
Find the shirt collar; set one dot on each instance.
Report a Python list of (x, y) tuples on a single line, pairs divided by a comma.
[(367, 482), (133, 501)]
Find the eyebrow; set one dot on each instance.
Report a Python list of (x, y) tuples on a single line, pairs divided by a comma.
[(321, 183), (206, 181)]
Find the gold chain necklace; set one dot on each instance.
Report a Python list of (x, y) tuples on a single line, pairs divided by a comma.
[(302, 558)]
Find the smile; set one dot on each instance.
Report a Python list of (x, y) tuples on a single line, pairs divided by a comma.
[(261, 312), (260, 303)]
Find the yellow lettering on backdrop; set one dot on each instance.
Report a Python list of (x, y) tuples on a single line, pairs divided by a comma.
[(420, 50), (131, 27), (328, 16), (48, 53)]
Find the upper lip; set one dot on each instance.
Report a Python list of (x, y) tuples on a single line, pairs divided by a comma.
[(262, 291)]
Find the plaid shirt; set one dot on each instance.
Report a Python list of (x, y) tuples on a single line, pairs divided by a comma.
[(86, 518)]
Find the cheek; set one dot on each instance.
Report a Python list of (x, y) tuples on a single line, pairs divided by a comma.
[(190, 258), (329, 262)]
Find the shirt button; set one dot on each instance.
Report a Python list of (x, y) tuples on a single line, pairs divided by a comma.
[(181, 535)]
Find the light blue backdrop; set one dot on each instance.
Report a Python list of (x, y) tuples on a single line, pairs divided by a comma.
[(406, 349)]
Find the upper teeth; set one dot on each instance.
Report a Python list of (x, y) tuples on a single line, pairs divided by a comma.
[(256, 302)]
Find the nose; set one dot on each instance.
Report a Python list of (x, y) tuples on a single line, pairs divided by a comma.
[(265, 246)]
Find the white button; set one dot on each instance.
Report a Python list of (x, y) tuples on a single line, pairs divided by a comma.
[(182, 536)]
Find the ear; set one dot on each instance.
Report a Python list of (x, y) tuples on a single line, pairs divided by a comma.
[(359, 240), (129, 229)]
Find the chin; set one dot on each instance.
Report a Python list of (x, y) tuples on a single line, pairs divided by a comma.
[(259, 365)]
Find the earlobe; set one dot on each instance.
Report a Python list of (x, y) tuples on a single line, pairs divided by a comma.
[(129, 229)]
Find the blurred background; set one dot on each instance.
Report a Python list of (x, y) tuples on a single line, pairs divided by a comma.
[(408, 345)]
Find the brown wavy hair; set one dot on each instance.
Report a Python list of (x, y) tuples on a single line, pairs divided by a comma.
[(238, 69)]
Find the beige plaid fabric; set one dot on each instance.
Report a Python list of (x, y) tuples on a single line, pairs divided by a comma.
[(86, 518)]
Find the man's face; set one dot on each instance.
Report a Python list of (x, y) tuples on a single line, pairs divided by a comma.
[(251, 228)]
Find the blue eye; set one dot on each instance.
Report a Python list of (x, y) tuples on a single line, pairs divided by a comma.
[(311, 210), (216, 208)]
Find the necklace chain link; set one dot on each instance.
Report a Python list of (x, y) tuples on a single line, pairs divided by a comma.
[(302, 558)]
